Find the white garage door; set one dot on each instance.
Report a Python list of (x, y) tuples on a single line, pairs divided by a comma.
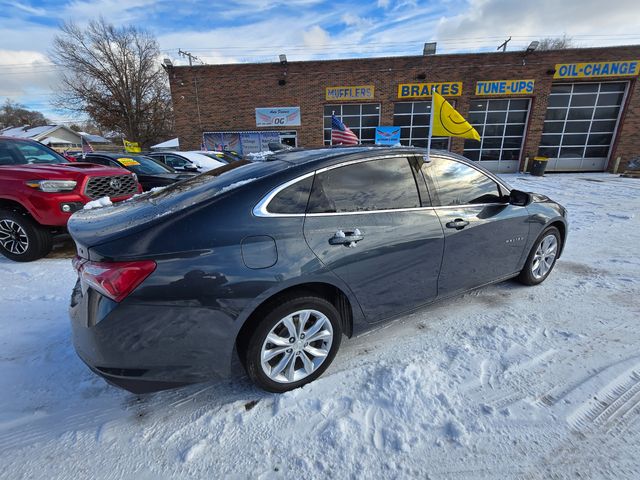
[(580, 125)]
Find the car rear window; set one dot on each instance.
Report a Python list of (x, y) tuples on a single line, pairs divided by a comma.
[(17, 152), (214, 182)]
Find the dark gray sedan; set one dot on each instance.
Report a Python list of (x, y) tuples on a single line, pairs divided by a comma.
[(265, 266)]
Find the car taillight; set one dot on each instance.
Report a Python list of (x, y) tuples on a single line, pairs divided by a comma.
[(115, 280)]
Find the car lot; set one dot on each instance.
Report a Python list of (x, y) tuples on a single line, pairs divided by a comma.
[(505, 381)]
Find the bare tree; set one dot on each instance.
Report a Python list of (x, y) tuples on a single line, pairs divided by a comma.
[(556, 43), (13, 114), (114, 76)]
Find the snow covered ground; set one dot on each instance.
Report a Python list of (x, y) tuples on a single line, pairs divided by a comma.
[(505, 382)]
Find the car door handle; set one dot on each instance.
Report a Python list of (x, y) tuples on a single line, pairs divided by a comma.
[(346, 238), (458, 224)]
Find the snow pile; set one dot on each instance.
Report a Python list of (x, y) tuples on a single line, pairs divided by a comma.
[(100, 202), (235, 185), (259, 156), (504, 382)]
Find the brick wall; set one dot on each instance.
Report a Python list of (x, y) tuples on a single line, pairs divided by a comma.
[(228, 94)]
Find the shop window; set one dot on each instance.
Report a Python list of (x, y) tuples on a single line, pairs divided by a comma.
[(361, 118), (414, 118)]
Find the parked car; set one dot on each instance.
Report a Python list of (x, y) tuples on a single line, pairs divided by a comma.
[(40, 189), (151, 173), (205, 161), (179, 164), (268, 265)]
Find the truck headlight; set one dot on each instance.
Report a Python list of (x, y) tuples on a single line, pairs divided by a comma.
[(52, 185)]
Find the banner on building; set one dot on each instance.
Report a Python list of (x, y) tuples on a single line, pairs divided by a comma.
[(240, 142), (505, 87), (625, 68), (278, 117), (355, 92), (387, 135), (423, 90)]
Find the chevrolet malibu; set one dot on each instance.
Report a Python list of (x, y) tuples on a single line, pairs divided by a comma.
[(264, 267)]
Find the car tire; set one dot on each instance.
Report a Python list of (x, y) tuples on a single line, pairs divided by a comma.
[(281, 355), (542, 257), (21, 238)]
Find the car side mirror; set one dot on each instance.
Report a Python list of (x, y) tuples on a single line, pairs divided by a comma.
[(519, 198)]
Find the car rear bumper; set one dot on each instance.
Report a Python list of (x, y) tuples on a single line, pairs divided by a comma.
[(146, 348)]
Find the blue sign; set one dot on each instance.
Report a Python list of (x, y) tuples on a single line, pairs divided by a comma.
[(387, 135)]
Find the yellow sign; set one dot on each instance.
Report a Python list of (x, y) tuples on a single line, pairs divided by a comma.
[(447, 122), (131, 147), (622, 68), (423, 90), (357, 92), (505, 87), (127, 162)]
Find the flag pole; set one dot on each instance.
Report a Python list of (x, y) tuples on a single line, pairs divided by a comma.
[(430, 125)]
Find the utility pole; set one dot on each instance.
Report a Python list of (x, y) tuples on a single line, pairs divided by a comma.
[(190, 56), (503, 45)]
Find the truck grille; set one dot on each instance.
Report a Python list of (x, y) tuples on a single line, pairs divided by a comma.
[(116, 186)]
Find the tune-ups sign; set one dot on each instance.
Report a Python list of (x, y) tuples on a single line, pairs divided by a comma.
[(278, 117)]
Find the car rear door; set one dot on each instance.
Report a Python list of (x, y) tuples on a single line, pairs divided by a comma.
[(485, 236), (370, 223)]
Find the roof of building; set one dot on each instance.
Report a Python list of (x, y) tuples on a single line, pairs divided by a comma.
[(28, 132), (93, 138)]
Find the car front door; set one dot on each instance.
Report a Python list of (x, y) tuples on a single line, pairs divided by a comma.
[(371, 223), (485, 236)]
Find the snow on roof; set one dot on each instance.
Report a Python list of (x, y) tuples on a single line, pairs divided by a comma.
[(93, 138), (50, 140), (173, 143), (22, 132)]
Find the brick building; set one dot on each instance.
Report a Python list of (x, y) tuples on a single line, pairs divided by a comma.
[(579, 107)]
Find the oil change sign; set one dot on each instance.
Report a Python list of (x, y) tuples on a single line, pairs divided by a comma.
[(621, 68), (423, 90), (505, 87)]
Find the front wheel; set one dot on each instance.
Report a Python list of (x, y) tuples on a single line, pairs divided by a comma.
[(542, 257), (294, 344), (21, 238)]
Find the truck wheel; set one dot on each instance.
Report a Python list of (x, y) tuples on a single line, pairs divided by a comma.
[(21, 238)]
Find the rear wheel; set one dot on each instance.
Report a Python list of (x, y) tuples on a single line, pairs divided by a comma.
[(542, 257), (294, 344), (21, 238)]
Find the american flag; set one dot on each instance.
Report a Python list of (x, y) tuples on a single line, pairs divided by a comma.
[(86, 146), (341, 134)]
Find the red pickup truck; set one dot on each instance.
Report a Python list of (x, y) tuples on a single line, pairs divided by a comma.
[(40, 190)]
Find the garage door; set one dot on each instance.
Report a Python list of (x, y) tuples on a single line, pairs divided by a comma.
[(501, 124), (580, 125)]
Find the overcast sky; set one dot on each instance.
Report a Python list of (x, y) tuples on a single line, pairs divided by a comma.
[(258, 30)]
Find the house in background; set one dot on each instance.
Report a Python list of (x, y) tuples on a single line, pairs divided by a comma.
[(59, 137)]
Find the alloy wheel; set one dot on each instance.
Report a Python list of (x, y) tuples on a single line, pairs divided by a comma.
[(13, 237), (544, 257), (296, 346)]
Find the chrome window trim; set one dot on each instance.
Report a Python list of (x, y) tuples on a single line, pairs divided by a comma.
[(260, 210)]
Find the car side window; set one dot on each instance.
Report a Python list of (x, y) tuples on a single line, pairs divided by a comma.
[(460, 184), (174, 161), (292, 199), (384, 184)]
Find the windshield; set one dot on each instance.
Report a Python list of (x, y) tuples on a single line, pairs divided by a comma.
[(142, 165), (21, 152)]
